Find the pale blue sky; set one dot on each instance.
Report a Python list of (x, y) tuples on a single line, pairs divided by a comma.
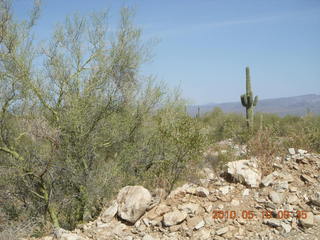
[(206, 44)]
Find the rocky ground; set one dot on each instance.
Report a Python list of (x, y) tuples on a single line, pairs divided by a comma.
[(236, 203)]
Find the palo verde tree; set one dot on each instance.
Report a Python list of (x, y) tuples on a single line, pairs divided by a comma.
[(248, 100), (77, 117)]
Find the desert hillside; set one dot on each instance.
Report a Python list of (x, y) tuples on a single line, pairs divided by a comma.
[(236, 203)]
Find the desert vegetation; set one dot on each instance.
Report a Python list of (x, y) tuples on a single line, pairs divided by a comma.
[(78, 121), (269, 137)]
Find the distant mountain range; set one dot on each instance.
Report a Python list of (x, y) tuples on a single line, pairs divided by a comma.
[(298, 105)]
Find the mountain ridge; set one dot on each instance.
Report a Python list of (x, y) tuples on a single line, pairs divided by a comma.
[(296, 105)]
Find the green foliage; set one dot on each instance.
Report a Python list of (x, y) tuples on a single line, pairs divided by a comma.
[(248, 101), (290, 131), (224, 125), (76, 128)]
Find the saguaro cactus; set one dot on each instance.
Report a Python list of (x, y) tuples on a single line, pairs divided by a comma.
[(248, 101), (198, 113)]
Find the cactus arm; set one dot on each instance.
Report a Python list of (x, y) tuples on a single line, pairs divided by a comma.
[(244, 100), (255, 101)]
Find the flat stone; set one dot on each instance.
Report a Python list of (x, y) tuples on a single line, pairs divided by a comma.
[(270, 205), (291, 151), (195, 221), (119, 229), (276, 197), (159, 210), (175, 228), (315, 199), (276, 165), (307, 179), (174, 218), (201, 192), (308, 222), (199, 225), (293, 189), (272, 222), (292, 198), (302, 152), (147, 237), (225, 189), (202, 234), (316, 218), (281, 186), (189, 208), (235, 202), (222, 231), (267, 180)]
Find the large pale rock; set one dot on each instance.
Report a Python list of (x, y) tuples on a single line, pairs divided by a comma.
[(174, 218), (132, 202), (245, 171)]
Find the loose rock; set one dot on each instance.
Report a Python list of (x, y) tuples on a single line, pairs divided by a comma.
[(133, 201), (245, 171), (174, 218)]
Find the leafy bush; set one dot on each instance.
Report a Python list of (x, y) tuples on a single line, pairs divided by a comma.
[(85, 122)]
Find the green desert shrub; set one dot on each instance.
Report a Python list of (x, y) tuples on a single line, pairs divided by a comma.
[(85, 122)]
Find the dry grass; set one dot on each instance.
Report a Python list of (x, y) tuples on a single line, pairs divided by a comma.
[(266, 147), (17, 230)]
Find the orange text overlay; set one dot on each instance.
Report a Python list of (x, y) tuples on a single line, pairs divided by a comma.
[(248, 214)]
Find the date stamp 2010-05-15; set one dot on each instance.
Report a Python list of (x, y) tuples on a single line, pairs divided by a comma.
[(248, 214)]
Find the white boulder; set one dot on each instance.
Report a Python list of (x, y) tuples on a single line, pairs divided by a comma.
[(132, 202), (245, 171)]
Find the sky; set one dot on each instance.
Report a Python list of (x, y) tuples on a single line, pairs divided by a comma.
[(204, 45)]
